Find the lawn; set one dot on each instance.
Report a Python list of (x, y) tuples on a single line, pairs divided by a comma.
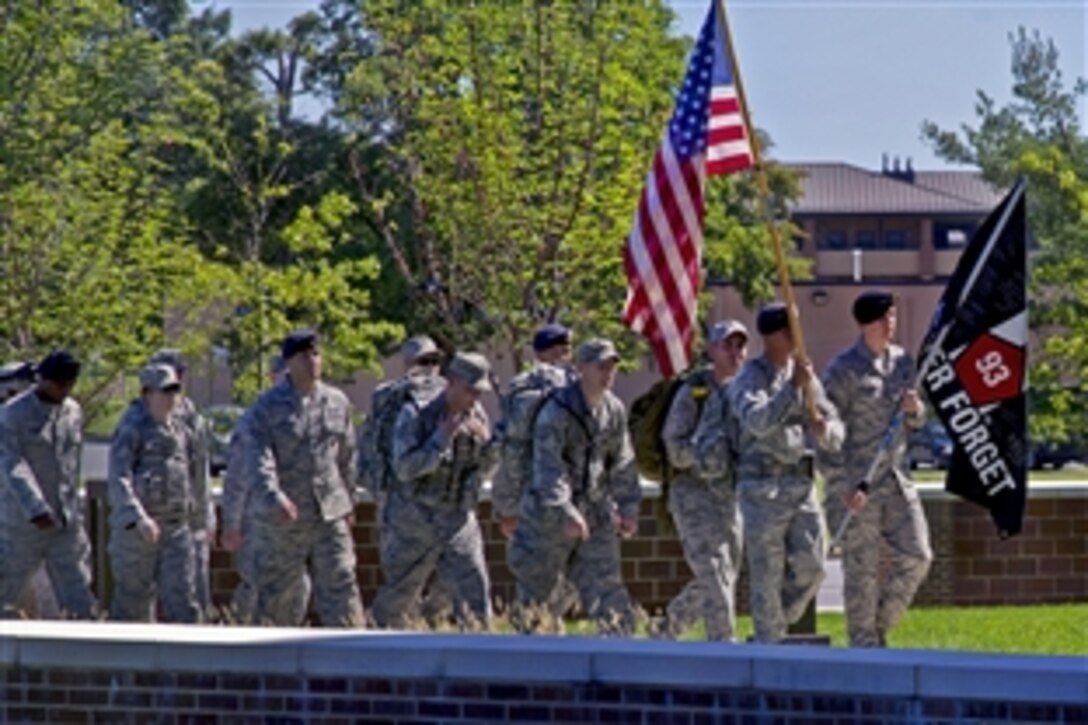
[(1049, 629)]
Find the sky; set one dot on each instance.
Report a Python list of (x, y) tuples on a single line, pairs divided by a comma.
[(849, 80)]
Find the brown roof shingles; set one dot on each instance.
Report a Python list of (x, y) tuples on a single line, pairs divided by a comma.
[(837, 188)]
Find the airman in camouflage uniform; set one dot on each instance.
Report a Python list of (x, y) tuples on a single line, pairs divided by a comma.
[(157, 499), (300, 464), (702, 498), (869, 383), (584, 491), (783, 525), (237, 524), (37, 600), (200, 435), (525, 394), (442, 453), (40, 521)]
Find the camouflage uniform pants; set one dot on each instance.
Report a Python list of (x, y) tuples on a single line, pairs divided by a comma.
[(284, 553), (244, 599), (202, 570), (419, 541), (141, 568), (66, 554), (709, 526), (784, 540), (876, 598), (542, 552)]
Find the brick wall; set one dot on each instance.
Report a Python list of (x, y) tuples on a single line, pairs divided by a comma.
[(83, 673), (164, 698), (1047, 562)]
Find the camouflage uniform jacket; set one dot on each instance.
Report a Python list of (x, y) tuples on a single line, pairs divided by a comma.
[(435, 469), (40, 448), (716, 439), (583, 457), (152, 470), (302, 447), (866, 390), (235, 481), (772, 414)]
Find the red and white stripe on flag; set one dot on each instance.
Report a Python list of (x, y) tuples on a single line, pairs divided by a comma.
[(662, 255)]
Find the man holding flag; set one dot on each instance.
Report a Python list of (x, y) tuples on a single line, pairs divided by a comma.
[(972, 369), (868, 383)]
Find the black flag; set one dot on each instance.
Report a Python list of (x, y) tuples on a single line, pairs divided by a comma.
[(973, 366)]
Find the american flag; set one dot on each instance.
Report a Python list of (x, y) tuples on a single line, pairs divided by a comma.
[(662, 256)]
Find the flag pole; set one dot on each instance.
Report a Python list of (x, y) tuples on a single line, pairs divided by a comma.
[(763, 207)]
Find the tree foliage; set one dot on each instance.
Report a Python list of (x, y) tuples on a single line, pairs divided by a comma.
[(1038, 134), (500, 149)]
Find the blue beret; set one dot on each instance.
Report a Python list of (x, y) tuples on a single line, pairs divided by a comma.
[(299, 341), (60, 366), (772, 318), (871, 306), (549, 336)]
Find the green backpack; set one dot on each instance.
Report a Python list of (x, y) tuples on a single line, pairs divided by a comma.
[(646, 421)]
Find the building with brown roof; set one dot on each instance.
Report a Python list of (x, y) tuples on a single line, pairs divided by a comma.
[(894, 228)]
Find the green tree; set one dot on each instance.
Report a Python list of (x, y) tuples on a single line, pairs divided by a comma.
[(93, 255), (262, 201), (499, 152), (1039, 134)]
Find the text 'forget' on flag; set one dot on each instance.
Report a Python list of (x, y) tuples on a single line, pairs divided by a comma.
[(974, 363), (662, 256)]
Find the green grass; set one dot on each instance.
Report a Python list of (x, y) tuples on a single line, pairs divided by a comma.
[(1050, 629), (1069, 473)]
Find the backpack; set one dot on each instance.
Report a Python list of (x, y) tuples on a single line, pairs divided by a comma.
[(376, 435), (646, 421), (519, 409)]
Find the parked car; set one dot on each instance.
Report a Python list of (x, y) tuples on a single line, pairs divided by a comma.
[(1051, 454), (930, 446), (221, 421)]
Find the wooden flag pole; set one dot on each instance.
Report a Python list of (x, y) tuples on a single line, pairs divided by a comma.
[(763, 208), (806, 626)]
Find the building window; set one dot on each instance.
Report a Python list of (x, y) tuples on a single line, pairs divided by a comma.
[(865, 239), (897, 239), (952, 235), (835, 239)]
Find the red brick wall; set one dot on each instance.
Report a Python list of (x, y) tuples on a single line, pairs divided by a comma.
[(1047, 562)]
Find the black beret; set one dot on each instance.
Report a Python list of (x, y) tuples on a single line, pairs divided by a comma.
[(549, 336), (60, 366), (772, 318), (871, 306), (298, 341)]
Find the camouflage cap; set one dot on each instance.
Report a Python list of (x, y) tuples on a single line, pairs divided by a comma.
[(596, 350), (472, 368), (169, 356), (418, 347), (724, 329), (160, 377)]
